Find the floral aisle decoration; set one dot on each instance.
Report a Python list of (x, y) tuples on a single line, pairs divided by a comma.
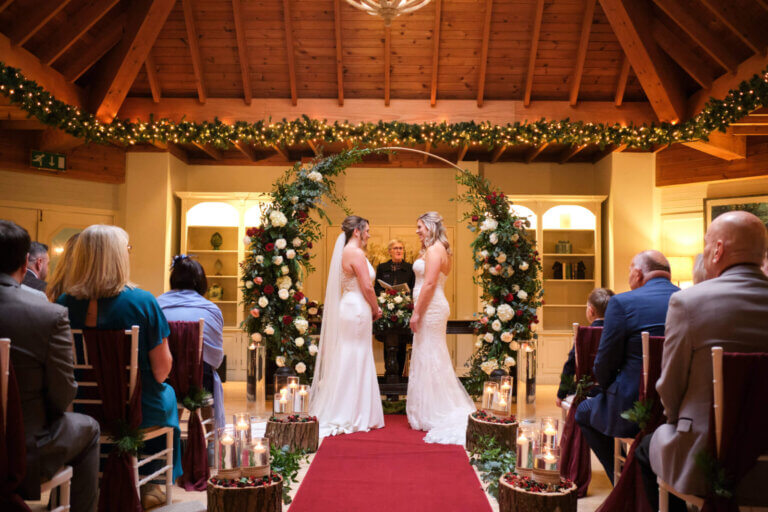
[(278, 258), (396, 307), (508, 269), (530, 485)]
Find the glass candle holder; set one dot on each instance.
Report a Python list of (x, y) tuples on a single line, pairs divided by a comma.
[(301, 400), (226, 452), (280, 404), (242, 424), (549, 439), (526, 434), (490, 389), (505, 384), (548, 460), (293, 385)]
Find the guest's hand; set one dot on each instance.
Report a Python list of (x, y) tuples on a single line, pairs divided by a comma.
[(377, 314), (415, 320), (558, 402)]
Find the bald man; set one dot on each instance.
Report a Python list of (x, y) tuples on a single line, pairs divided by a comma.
[(619, 360), (729, 310)]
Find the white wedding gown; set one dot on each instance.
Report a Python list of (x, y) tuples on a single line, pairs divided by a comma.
[(349, 399), (437, 401)]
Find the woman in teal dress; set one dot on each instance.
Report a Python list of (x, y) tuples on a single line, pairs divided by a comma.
[(98, 294)]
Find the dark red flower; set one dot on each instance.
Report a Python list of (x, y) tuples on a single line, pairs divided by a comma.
[(306, 256), (519, 312), (493, 201), (489, 197), (391, 292), (298, 296), (287, 319), (509, 297), (269, 289), (250, 231), (494, 194), (475, 218), (309, 245), (409, 307), (269, 247), (312, 304), (495, 300), (393, 318)]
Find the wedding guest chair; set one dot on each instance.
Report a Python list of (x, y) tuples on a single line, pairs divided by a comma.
[(62, 480), (91, 400), (566, 403), (719, 385), (184, 417)]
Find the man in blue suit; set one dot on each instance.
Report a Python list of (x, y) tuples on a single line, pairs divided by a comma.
[(619, 362)]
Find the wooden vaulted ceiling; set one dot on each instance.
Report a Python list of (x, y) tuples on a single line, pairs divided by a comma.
[(454, 60)]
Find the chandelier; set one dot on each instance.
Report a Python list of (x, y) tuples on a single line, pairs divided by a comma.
[(388, 9)]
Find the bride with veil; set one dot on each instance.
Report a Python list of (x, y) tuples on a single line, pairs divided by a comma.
[(345, 393)]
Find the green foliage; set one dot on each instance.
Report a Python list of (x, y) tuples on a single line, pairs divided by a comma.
[(287, 464), (393, 406), (492, 461), (640, 413), (715, 474), (567, 383), (129, 440), (397, 308), (196, 398), (584, 385)]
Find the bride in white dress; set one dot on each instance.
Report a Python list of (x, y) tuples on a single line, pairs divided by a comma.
[(437, 401), (345, 393)]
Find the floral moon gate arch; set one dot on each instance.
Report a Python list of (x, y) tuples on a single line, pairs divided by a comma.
[(507, 266)]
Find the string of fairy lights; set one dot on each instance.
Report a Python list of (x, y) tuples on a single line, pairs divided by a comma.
[(717, 114)]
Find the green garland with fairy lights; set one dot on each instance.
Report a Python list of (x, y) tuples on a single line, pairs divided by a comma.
[(716, 115)]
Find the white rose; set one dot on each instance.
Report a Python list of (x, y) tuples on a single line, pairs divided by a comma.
[(277, 260), (247, 241), (269, 330), (312, 349), (484, 254), (283, 294), (494, 238), (290, 254), (294, 200), (505, 312), (303, 300), (515, 288), (249, 284), (493, 271), (508, 361), (524, 266), (280, 361), (299, 342), (479, 343), (285, 270), (259, 259), (501, 258), (506, 337), (277, 218), (390, 306), (398, 299), (280, 243), (296, 242), (301, 325), (489, 224), (283, 282), (256, 337), (496, 325), (489, 366), (312, 311), (488, 338), (522, 295), (490, 310), (315, 176), (263, 301), (515, 237), (514, 345)]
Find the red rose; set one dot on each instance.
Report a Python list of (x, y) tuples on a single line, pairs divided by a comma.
[(393, 318), (410, 306), (519, 312), (269, 247), (494, 194), (501, 195), (306, 256), (309, 245), (312, 304), (509, 297), (489, 197), (493, 201), (250, 231), (495, 300), (475, 218), (298, 296), (269, 289), (287, 319), (391, 292)]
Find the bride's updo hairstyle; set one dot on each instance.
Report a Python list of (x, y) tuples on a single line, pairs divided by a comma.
[(350, 224), (433, 221)]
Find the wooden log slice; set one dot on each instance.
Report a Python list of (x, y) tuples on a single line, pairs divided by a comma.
[(514, 499), (298, 436), (264, 498), (504, 434)]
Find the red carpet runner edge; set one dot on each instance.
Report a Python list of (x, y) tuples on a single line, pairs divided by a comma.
[(389, 470)]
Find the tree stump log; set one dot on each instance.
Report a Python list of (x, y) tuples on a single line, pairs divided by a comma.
[(514, 499), (505, 434), (264, 498), (298, 436)]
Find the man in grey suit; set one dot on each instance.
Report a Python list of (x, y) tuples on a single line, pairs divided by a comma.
[(729, 310), (37, 266), (41, 352)]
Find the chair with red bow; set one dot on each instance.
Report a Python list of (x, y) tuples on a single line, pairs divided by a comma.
[(109, 389), (13, 442)]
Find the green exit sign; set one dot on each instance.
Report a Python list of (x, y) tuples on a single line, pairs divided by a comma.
[(51, 161)]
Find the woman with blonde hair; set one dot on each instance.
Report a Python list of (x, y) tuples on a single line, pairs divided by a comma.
[(98, 294), (437, 401), (59, 275)]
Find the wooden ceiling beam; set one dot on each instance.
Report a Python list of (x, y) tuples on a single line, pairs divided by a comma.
[(246, 149), (154, 81), (242, 51), (387, 64), (281, 151), (23, 28), (118, 70), (435, 51), (681, 14), (743, 24), (535, 151), (209, 150), (725, 146), (22, 124), (427, 149), (748, 130), (484, 51), (497, 152), (720, 87), (314, 147), (55, 140), (290, 50), (462, 152), (570, 152), (4, 4), (534, 48), (339, 50), (631, 22), (621, 85), (581, 54), (86, 17), (193, 40), (85, 60), (684, 54)]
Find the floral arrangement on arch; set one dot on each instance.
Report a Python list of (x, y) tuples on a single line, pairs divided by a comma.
[(278, 259), (508, 269), (396, 308)]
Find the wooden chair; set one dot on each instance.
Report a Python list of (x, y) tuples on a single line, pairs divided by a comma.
[(62, 479), (209, 423), (621, 444), (719, 395), (80, 356)]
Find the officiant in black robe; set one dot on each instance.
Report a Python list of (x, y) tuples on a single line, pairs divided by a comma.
[(393, 272)]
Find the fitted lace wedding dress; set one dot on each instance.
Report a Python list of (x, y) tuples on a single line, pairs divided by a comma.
[(345, 393), (437, 401)]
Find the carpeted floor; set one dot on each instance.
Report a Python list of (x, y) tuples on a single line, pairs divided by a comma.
[(389, 469)]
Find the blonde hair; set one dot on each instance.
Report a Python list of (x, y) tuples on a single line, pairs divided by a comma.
[(433, 221), (100, 266), (393, 242), (59, 275)]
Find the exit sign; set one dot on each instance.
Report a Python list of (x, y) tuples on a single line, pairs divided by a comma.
[(51, 161)]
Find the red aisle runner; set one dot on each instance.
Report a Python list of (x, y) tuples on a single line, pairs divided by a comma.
[(389, 470)]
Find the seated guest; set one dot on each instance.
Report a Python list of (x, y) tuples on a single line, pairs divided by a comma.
[(56, 285), (185, 303), (37, 266), (619, 360), (99, 294), (597, 302), (730, 310), (41, 353)]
